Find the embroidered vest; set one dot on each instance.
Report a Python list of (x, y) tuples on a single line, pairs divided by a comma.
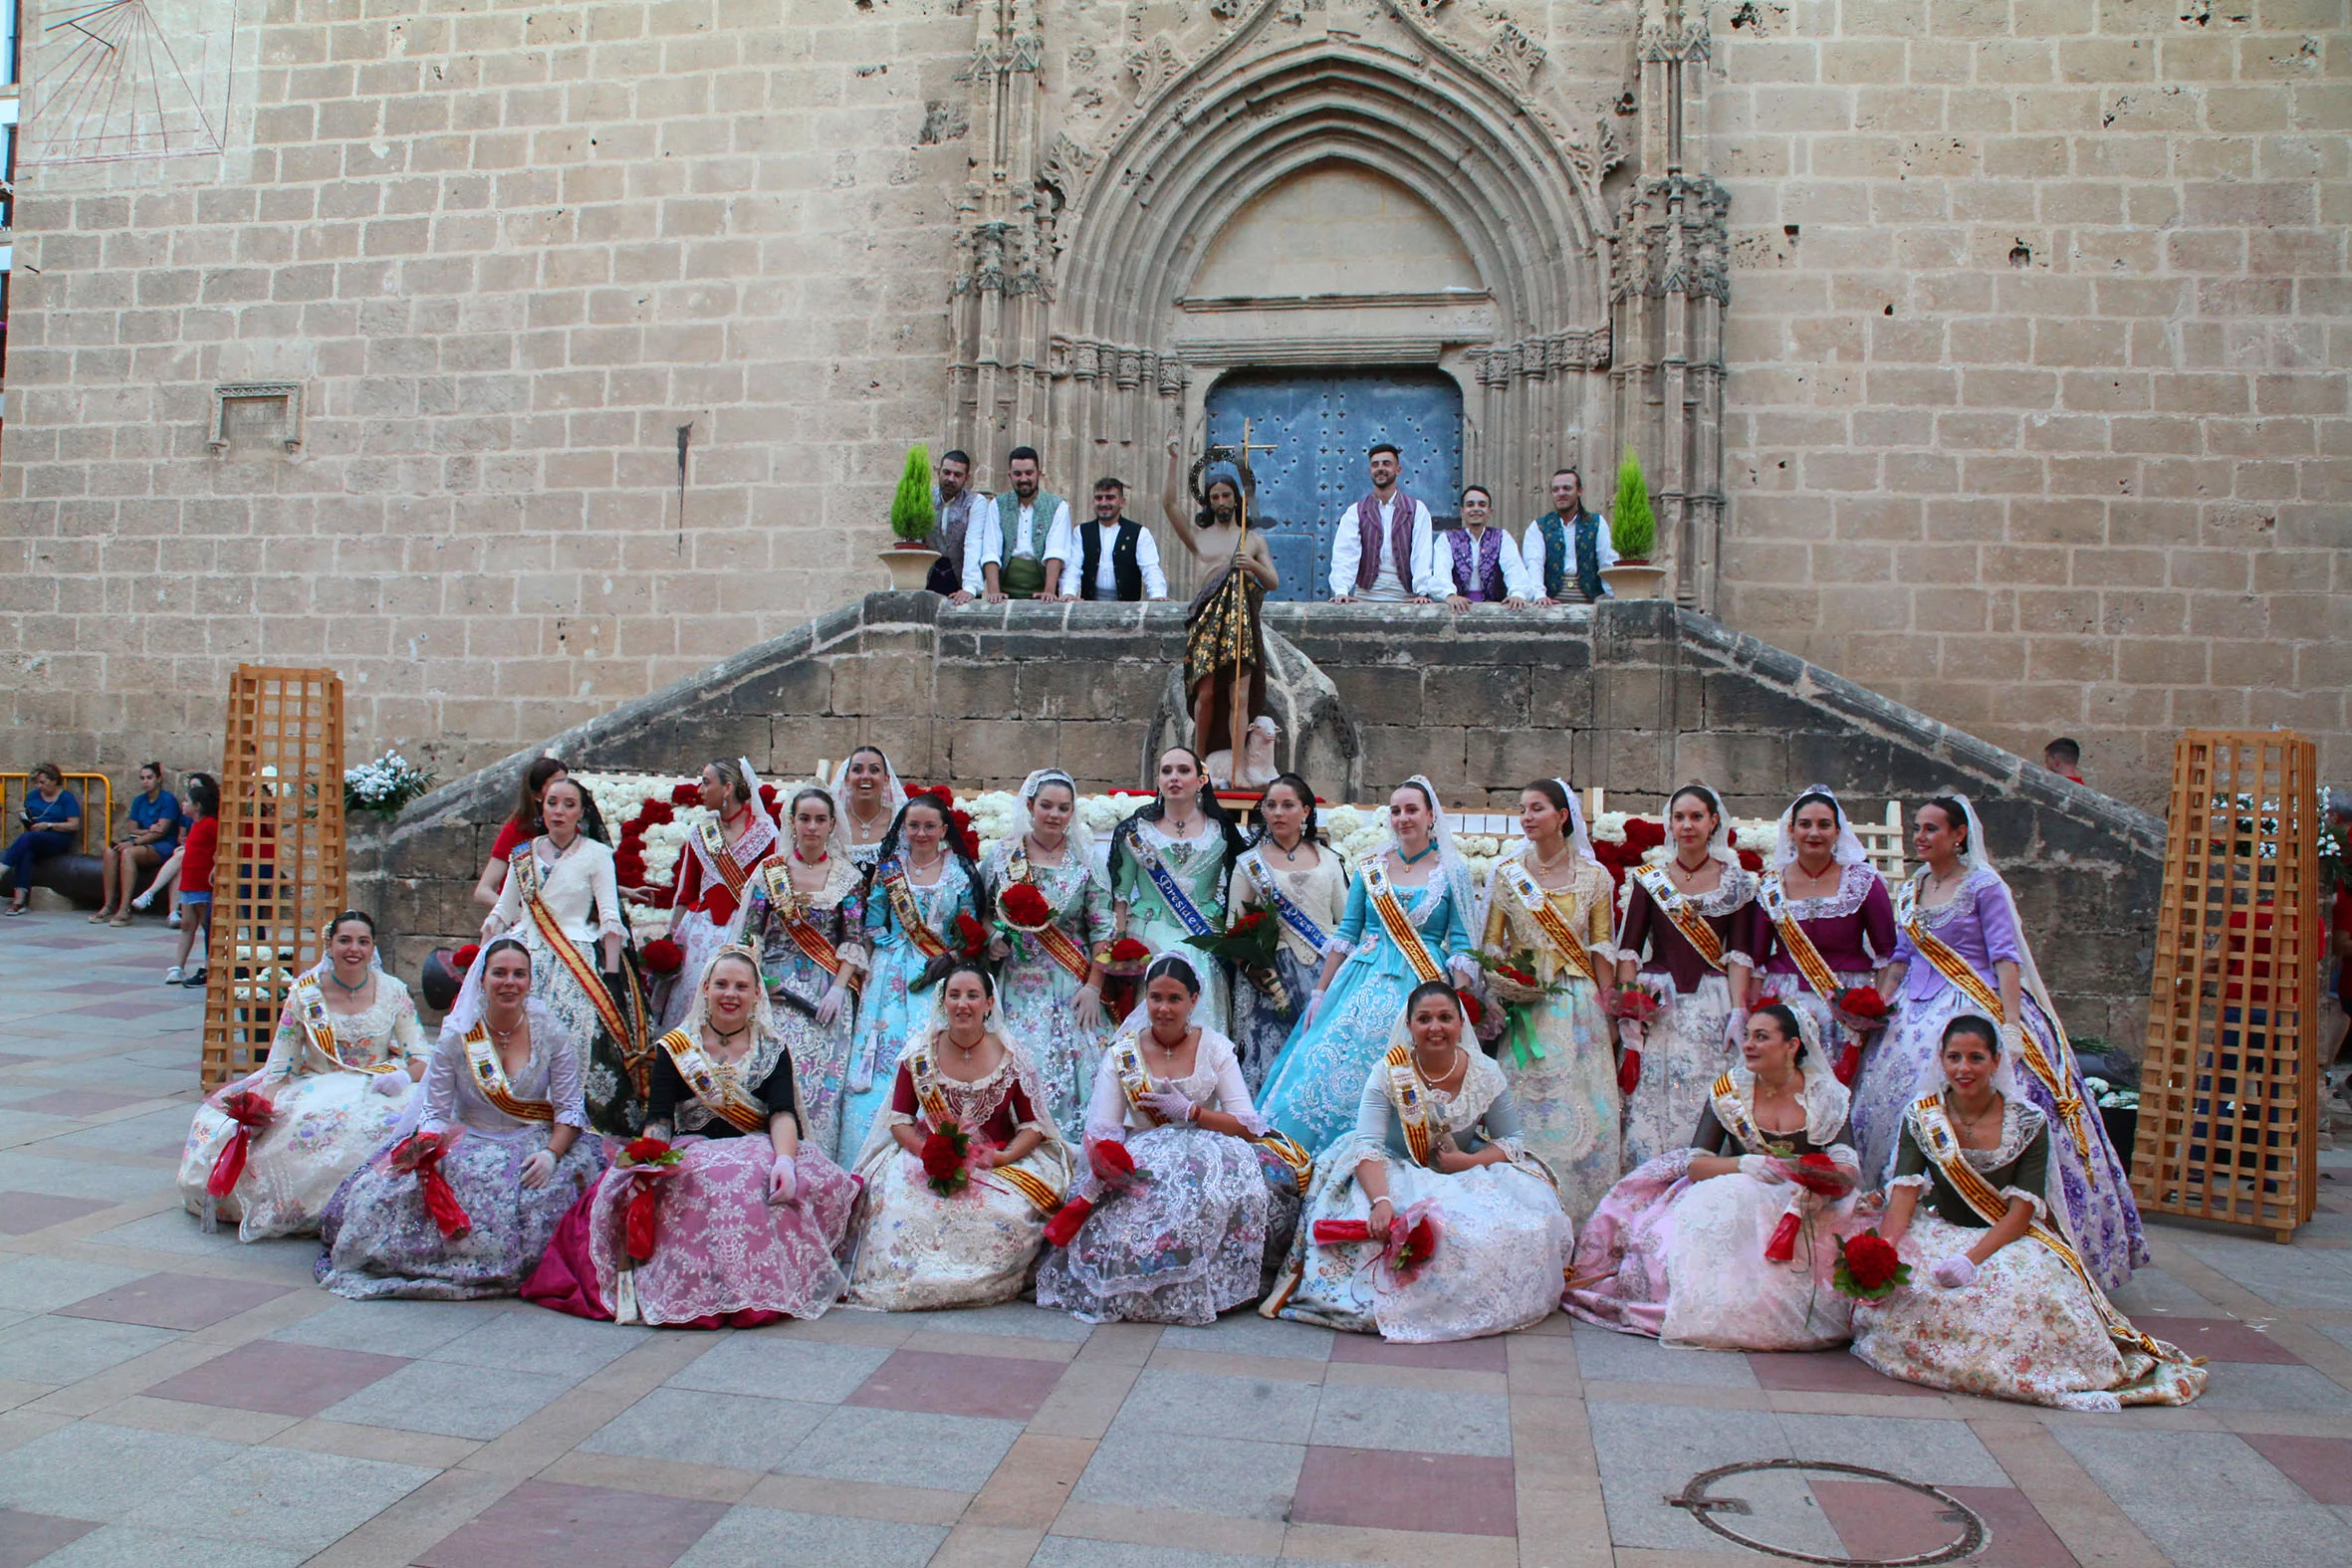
[(1400, 538)]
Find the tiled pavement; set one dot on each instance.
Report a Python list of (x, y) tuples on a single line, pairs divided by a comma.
[(171, 1397)]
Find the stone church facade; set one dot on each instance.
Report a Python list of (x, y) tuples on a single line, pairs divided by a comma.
[(519, 360)]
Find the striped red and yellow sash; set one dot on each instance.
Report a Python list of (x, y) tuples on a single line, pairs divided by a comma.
[(792, 908), (892, 876), (721, 1091), (1548, 920), (1397, 923), (490, 1077), (1685, 915), (1410, 1096), (1040, 1194), (1057, 943), (1809, 963), (317, 1028), (628, 1033), (721, 860)]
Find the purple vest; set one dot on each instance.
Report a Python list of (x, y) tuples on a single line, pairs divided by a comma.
[(1482, 580), (1400, 537)]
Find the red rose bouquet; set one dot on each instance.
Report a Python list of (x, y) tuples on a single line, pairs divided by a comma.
[(1817, 1172), (971, 935), (1860, 1008), (664, 957), (1474, 1012), (1631, 1003), (1869, 1268), (646, 1158), (1126, 957), (946, 1158), (1411, 1241), (1023, 907), (462, 961)]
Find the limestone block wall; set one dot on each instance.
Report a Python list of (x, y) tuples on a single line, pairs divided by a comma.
[(1636, 698), (2037, 416)]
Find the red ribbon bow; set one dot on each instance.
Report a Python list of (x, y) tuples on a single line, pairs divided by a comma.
[(251, 1113), (421, 1152)]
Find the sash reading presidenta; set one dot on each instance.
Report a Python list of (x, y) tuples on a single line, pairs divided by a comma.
[(713, 1087), (1680, 910), (1040, 1193), (1285, 907), (1397, 923), (1942, 1145), (490, 1077), (1134, 1083), (1809, 963), (892, 876), (1956, 969), (786, 900), (1056, 941), (317, 1028), (1172, 892), (636, 1052), (1548, 918)]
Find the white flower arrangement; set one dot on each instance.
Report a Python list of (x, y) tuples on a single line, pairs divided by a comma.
[(384, 785)]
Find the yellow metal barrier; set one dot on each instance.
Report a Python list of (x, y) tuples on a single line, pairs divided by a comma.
[(96, 825)]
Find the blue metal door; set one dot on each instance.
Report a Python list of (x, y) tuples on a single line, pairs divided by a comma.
[(1319, 427)]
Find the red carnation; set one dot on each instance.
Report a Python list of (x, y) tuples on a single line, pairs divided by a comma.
[(1751, 861), (1025, 906), (1246, 924), (966, 834), (686, 794), (945, 1158), (1869, 1268), (646, 1151), (655, 814), (1817, 1172), (1642, 834), (1128, 951), (462, 960), (664, 957), (1471, 1010), (1863, 1002), (971, 934)]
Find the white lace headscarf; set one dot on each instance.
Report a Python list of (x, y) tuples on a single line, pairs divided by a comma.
[(1450, 865), (837, 843), (933, 1030), (1579, 834), (894, 792), (1078, 838), (1138, 1016), (1827, 1101), (1720, 847), (1849, 851)]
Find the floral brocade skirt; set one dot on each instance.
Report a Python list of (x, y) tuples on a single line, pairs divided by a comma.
[(914, 1251), (1681, 1057), (322, 1127), (380, 1242), (2024, 1329), (1563, 1078), (1189, 1243), (723, 1255), (1258, 1027)]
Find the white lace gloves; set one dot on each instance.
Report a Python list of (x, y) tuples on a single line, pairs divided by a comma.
[(1315, 1005), (1763, 1168), (1088, 1006), (1735, 1029), (1167, 1104), (829, 1006), (1954, 1272), (394, 1082), (784, 1183), (538, 1169)]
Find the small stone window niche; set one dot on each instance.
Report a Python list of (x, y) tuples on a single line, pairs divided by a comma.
[(256, 419)]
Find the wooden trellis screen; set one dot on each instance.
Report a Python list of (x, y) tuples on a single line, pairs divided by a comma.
[(280, 871), (2230, 1084)]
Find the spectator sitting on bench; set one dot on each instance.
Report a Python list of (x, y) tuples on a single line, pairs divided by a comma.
[(153, 835), (52, 815)]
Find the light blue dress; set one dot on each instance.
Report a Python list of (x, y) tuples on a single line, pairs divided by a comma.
[(1318, 1081), (892, 1009)]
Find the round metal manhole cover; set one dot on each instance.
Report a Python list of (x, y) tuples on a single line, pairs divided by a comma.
[(1787, 1516)]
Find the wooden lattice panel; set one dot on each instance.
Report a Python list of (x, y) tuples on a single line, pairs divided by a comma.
[(280, 871), (2230, 1083)]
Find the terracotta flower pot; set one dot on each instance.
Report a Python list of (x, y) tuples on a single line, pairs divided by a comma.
[(910, 567), (1635, 579)]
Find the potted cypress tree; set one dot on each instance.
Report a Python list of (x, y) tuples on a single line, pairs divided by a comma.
[(1634, 533), (912, 518)]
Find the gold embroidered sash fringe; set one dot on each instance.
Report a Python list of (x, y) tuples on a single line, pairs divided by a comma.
[(788, 903), (1410, 1096), (1686, 917), (317, 1028), (892, 876), (1809, 963), (1548, 920), (1397, 923)]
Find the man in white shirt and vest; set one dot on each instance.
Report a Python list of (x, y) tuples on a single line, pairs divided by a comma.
[(1006, 556), (957, 505), (1566, 550), (1109, 557), (1380, 552)]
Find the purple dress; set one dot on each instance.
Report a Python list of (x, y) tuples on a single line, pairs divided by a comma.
[(2091, 1187), (1684, 1049), (1851, 927)]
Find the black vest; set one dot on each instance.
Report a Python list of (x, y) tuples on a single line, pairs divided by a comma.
[(1124, 569)]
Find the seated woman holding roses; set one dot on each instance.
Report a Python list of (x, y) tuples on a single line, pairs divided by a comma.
[(1991, 1297), (962, 1166), (1732, 1243), (736, 1224)]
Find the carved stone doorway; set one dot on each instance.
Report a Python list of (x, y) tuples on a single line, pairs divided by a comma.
[(1320, 424)]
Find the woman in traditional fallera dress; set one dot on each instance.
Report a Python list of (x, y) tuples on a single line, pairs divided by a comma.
[(914, 1247), (500, 1120), (344, 1059), (1554, 900), (1689, 935), (518, 828), (720, 860), (746, 1222), (1407, 921), (1999, 1303), (1434, 1161), (1301, 883), (1169, 863), (805, 915), (867, 788), (922, 883), (1182, 1196), (1049, 978), (1962, 949), (1679, 1249), (562, 902), (1828, 924)]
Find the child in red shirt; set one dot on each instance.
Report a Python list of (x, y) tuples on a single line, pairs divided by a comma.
[(196, 878)]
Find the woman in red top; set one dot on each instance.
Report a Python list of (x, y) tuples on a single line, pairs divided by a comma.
[(195, 876), (519, 828), (714, 873)]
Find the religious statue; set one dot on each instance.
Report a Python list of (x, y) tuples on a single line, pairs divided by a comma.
[(1224, 631)]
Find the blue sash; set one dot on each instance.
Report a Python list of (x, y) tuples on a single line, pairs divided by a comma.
[(1285, 907), (1187, 913)]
